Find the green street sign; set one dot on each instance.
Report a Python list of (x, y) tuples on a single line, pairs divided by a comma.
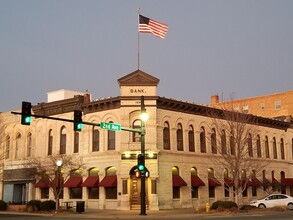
[(110, 126)]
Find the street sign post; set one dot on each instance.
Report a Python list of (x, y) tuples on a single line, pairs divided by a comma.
[(110, 126)]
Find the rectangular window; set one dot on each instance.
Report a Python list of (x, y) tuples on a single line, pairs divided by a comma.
[(111, 192), (44, 193), (124, 187), (211, 192), (226, 190), (277, 105), (96, 140), (176, 192), (75, 193), (194, 192), (254, 191), (93, 192), (244, 192), (154, 186)]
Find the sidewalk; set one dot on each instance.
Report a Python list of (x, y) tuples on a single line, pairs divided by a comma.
[(128, 214)]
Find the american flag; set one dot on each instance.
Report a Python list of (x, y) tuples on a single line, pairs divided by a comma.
[(147, 25)]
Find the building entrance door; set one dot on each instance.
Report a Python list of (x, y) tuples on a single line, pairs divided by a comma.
[(135, 187), (135, 192)]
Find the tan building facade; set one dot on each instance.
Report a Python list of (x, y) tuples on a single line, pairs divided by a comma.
[(178, 167)]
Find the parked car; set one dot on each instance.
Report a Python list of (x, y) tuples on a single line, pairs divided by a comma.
[(273, 200)]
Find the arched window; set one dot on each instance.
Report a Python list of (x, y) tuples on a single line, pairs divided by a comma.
[(258, 146), (50, 142), (176, 189), (249, 143), (18, 146), (63, 140), (29, 145), (214, 141), (211, 187), (179, 134), (191, 139), (194, 187), (202, 138), (226, 186), (7, 148), (166, 136), (275, 148), (110, 189), (282, 149), (93, 186), (111, 139), (232, 145), (223, 142), (136, 136), (96, 139), (267, 147)]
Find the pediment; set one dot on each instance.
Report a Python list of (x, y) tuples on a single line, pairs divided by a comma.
[(138, 78)]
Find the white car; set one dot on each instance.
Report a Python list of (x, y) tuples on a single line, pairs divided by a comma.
[(273, 200)]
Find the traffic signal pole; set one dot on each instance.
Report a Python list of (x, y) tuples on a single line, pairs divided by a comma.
[(140, 131), (142, 176)]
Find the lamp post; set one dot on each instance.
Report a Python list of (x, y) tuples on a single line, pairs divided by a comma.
[(143, 118), (59, 164)]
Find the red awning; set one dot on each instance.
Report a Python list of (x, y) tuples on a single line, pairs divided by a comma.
[(196, 181), (214, 182), (254, 182), (91, 181), (109, 181), (73, 182), (43, 183), (275, 182), (287, 181), (228, 181), (178, 181), (266, 182)]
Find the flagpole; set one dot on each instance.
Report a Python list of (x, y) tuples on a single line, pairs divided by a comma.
[(138, 12)]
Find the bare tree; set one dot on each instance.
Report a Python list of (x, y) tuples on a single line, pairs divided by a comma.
[(236, 150), (46, 170)]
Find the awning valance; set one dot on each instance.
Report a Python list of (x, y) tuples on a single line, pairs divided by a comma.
[(266, 182), (275, 182), (287, 181), (109, 181), (196, 181), (228, 181), (91, 181), (43, 183), (178, 181), (73, 182), (214, 182), (254, 182)]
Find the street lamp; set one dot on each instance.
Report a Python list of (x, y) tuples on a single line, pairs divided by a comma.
[(143, 117), (59, 164)]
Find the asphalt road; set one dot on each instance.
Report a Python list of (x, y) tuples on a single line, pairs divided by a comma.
[(256, 216)]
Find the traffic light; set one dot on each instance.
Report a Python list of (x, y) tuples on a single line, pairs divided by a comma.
[(140, 162), (26, 113), (77, 120)]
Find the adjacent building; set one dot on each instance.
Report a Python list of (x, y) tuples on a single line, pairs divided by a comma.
[(178, 151)]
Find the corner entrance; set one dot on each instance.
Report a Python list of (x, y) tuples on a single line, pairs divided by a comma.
[(135, 186)]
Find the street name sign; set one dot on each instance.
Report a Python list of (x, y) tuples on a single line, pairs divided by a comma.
[(110, 126)]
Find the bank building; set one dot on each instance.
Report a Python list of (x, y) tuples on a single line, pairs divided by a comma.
[(178, 151)]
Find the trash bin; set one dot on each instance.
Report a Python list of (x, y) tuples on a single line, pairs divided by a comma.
[(80, 206)]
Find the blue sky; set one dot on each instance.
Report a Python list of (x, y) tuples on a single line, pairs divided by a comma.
[(233, 48)]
